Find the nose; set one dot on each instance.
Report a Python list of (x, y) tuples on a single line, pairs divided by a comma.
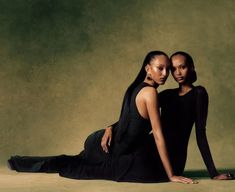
[(165, 72), (177, 71)]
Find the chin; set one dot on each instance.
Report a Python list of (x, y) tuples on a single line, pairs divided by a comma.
[(161, 83), (180, 81)]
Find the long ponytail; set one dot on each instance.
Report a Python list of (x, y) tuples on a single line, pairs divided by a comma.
[(125, 111)]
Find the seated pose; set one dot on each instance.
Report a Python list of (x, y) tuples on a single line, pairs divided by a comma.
[(180, 109), (126, 160)]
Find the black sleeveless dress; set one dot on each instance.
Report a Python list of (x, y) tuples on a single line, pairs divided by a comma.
[(134, 159)]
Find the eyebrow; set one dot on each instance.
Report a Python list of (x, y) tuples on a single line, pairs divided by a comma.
[(160, 65), (180, 64)]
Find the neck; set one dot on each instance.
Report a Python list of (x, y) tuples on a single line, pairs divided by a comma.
[(184, 88), (151, 82)]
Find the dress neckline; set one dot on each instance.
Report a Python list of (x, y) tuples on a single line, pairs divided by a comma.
[(147, 84), (177, 92)]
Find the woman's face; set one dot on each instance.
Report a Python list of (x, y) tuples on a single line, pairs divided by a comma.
[(159, 69), (179, 69)]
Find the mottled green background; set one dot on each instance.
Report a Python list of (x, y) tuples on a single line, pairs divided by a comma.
[(66, 64)]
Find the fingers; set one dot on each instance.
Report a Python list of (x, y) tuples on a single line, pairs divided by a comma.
[(105, 148), (224, 176), (106, 140), (229, 176), (104, 144), (110, 138), (184, 180), (190, 181)]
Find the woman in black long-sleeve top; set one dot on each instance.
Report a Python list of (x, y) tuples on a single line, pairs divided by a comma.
[(180, 109)]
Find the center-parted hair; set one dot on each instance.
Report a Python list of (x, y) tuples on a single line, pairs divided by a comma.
[(189, 63), (125, 111)]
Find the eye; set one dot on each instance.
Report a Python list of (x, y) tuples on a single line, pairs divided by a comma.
[(173, 69), (160, 68), (183, 66)]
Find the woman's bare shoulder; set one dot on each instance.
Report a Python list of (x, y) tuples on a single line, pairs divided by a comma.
[(149, 93)]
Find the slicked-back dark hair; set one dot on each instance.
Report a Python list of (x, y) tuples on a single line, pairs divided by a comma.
[(189, 63)]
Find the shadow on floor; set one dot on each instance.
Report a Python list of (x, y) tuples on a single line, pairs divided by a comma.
[(204, 173)]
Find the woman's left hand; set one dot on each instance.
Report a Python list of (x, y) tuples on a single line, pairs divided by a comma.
[(224, 176)]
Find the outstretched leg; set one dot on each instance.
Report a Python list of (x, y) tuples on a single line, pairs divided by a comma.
[(49, 164)]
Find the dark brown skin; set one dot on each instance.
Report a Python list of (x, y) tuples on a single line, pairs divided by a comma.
[(157, 72), (180, 72)]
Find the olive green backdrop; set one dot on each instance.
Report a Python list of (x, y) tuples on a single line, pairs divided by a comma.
[(66, 64)]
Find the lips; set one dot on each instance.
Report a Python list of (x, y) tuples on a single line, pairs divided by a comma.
[(179, 78), (163, 79)]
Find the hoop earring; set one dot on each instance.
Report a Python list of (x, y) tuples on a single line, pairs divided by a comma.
[(149, 77)]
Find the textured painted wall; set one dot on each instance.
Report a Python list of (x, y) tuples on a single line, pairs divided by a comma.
[(66, 64)]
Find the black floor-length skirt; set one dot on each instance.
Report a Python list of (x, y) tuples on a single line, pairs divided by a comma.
[(142, 165)]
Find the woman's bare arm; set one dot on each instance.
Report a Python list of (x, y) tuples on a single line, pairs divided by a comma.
[(151, 103)]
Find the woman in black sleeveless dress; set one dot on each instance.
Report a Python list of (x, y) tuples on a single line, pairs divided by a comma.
[(139, 116), (180, 109)]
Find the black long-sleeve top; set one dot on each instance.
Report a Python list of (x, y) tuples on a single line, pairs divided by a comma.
[(178, 114)]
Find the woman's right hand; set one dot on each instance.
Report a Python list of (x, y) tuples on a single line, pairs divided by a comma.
[(180, 179), (106, 139)]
